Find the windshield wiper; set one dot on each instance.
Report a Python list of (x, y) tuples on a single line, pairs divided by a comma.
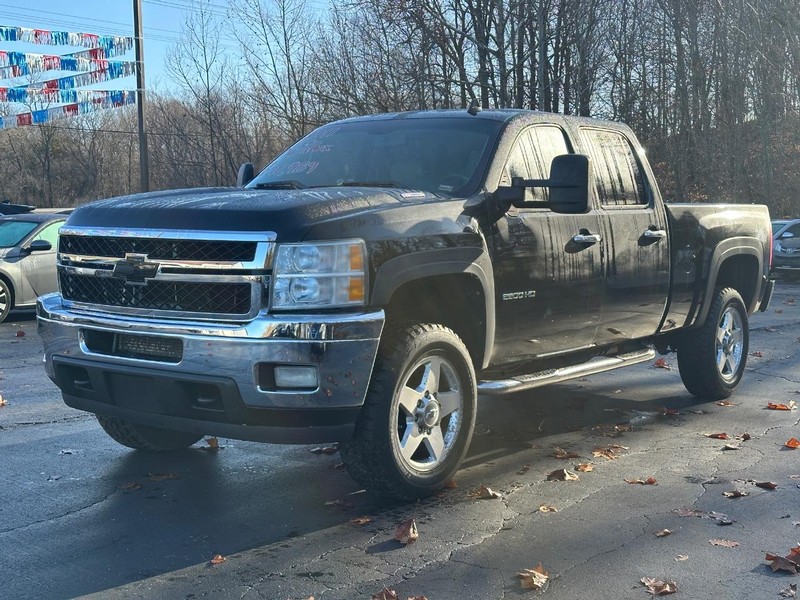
[(376, 183), (286, 184)]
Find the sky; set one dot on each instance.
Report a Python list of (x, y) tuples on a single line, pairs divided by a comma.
[(162, 21)]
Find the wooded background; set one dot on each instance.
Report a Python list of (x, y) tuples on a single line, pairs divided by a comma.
[(711, 87)]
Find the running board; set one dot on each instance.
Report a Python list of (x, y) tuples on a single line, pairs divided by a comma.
[(592, 367)]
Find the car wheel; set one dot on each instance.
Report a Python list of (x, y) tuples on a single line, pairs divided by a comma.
[(418, 416), (142, 437), (6, 300), (712, 359)]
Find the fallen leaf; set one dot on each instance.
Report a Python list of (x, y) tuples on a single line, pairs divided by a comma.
[(790, 592), (658, 587), (725, 403), (360, 520), (718, 436), (324, 450), (735, 494), (533, 579), (54, 478), (20, 333), (661, 363), (546, 508), (385, 594), (562, 475), (767, 485), (663, 533), (162, 476), (406, 532), (724, 543), (485, 493), (790, 406), (417, 598), (721, 518), (793, 443), (561, 453), (133, 486), (730, 447), (611, 452), (2, 400), (744, 437), (794, 477), (451, 485), (218, 559), (212, 444), (584, 467), (690, 512), (648, 481), (670, 412), (781, 563), (524, 469), (681, 557), (757, 354)]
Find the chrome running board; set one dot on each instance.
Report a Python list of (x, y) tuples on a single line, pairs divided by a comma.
[(592, 367)]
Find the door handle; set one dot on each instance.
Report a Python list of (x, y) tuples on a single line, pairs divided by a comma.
[(655, 234), (586, 238)]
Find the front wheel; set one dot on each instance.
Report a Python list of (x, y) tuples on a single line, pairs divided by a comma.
[(6, 300), (711, 359), (418, 416), (142, 437)]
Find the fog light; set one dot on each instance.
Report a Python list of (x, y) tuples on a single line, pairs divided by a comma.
[(296, 377)]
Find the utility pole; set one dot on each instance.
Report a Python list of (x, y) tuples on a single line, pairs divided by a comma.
[(144, 167)]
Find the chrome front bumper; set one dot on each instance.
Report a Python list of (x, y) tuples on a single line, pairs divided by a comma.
[(225, 356)]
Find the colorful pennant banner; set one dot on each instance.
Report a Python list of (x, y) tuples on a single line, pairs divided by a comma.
[(102, 99), (57, 90), (112, 45), (17, 64)]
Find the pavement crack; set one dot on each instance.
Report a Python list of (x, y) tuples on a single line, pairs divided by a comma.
[(61, 516)]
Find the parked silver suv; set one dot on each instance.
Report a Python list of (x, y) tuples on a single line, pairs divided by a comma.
[(28, 244)]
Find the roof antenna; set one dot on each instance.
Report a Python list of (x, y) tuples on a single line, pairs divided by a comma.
[(474, 107)]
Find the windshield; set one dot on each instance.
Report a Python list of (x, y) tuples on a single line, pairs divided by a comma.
[(13, 232), (443, 156)]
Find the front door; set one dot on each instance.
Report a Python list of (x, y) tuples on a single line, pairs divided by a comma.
[(39, 268), (548, 266)]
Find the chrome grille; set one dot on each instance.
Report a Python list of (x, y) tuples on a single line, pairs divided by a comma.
[(158, 248), (223, 298)]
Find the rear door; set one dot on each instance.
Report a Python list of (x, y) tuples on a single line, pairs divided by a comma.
[(634, 227), (549, 287)]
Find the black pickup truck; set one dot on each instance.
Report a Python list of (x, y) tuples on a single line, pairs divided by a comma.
[(381, 274)]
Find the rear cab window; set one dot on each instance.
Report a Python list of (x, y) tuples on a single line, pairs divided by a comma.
[(619, 180)]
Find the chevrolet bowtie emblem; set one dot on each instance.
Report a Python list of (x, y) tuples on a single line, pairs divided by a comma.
[(135, 269)]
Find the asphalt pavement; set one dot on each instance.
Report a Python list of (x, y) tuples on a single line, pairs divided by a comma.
[(83, 516)]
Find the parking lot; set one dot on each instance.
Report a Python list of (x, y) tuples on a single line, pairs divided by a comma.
[(83, 516)]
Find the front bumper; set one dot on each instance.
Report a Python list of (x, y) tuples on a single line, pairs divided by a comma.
[(215, 387)]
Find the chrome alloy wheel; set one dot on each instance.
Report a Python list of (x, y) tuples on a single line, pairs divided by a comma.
[(5, 301), (429, 409), (729, 344)]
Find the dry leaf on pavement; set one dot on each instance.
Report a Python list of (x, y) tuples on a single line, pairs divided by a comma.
[(533, 579), (406, 533), (385, 594), (661, 363), (724, 543), (2, 401), (790, 592), (744, 437), (775, 406), (485, 493), (546, 508), (212, 444), (681, 557), (584, 467), (718, 436), (725, 403), (562, 475), (648, 481), (218, 559), (561, 453), (793, 443), (782, 563), (670, 412), (731, 447), (360, 520), (735, 494), (658, 587), (663, 533), (20, 333), (757, 354), (767, 485)]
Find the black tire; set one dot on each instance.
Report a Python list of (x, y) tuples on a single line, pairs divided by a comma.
[(712, 358), (141, 437), (410, 441), (6, 299)]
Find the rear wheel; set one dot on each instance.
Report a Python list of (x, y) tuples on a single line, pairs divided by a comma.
[(142, 437), (712, 359), (6, 300), (418, 416)]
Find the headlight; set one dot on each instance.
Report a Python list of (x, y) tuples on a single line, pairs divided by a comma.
[(319, 275)]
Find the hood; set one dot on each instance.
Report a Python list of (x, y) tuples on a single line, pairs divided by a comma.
[(289, 213)]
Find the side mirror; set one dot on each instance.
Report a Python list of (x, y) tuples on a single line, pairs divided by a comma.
[(786, 235), (38, 246), (570, 175), (246, 174)]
